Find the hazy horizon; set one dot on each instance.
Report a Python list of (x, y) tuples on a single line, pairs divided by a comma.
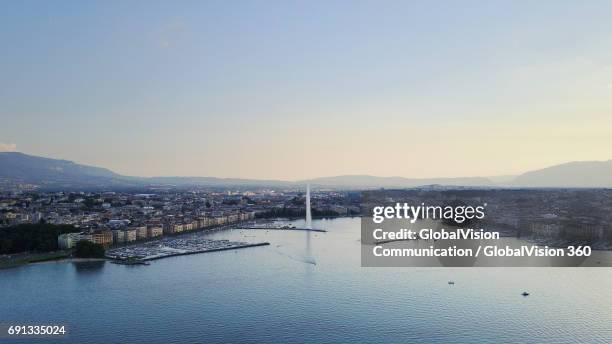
[(299, 90), (498, 179)]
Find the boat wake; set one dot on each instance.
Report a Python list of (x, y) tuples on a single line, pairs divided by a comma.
[(305, 260)]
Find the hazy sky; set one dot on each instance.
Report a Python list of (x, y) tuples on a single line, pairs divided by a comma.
[(291, 90)]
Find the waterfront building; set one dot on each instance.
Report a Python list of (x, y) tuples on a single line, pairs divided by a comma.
[(141, 232), (168, 228), (232, 218), (69, 240), (130, 235), (219, 220), (204, 222), (103, 237), (154, 231), (119, 236)]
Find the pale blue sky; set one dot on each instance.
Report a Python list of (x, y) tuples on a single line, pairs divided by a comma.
[(291, 90)]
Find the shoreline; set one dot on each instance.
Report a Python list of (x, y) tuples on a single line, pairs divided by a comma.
[(21, 259), (25, 259), (69, 260)]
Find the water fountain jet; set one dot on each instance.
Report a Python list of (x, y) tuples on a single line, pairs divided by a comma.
[(308, 215)]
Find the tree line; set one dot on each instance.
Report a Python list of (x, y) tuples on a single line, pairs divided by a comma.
[(39, 237)]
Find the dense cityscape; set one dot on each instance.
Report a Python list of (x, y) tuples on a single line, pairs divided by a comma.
[(549, 216), (116, 218)]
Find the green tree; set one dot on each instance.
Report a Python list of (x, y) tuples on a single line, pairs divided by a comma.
[(38, 237), (88, 249)]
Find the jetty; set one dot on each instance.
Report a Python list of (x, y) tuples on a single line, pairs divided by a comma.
[(285, 229), (234, 247)]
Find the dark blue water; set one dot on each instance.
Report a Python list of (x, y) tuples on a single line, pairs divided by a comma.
[(307, 288)]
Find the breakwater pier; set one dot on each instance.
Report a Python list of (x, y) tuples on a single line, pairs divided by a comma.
[(170, 247), (284, 229)]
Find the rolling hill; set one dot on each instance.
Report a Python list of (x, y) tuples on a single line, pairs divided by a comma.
[(50, 173)]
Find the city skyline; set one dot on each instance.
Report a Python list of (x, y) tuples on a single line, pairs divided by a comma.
[(293, 91)]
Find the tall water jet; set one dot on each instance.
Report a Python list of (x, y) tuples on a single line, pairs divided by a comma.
[(308, 215)]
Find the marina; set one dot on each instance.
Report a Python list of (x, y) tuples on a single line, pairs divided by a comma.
[(169, 247)]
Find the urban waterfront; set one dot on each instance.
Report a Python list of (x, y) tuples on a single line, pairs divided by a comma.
[(306, 287)]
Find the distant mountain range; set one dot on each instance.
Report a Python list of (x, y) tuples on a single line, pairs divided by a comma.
[(571, 174), (63, 174), (51, 173), (365, 181)]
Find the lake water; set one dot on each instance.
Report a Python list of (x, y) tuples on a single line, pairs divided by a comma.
[(306, 287)]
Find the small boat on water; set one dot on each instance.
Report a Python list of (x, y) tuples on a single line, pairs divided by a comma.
[(525, 293), (451, 282)]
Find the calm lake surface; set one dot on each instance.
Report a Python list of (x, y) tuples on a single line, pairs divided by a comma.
[(306, 287)]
